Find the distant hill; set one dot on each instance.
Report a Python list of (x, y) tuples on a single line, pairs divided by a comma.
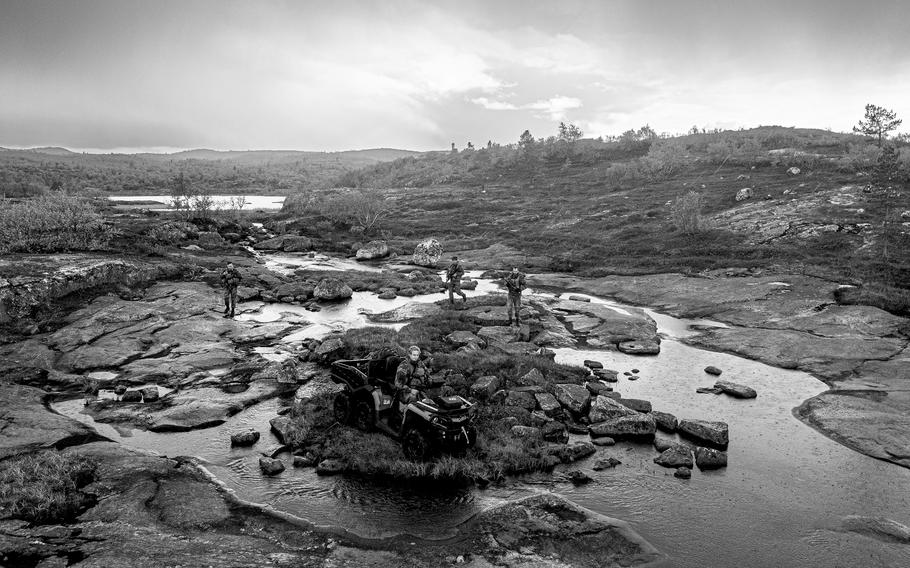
[(30, 171)]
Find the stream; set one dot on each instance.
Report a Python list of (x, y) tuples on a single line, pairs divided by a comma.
[(779, 502)]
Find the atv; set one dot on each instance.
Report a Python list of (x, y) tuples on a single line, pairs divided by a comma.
[(428, 426)]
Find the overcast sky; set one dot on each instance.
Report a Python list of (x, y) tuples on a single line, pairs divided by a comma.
[(126, 75)]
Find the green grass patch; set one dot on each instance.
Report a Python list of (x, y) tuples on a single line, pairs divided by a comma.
[(45, 487)]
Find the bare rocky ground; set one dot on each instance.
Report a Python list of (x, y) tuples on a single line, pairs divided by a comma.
[(155, 511)]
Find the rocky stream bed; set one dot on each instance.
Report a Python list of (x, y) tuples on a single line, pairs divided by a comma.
[(171, 488)]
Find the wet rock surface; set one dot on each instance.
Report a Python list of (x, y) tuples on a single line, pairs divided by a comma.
[(795, 325)]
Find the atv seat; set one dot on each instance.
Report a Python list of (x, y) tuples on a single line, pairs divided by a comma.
[(382, 371)]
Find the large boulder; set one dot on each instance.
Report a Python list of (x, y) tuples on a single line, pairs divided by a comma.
[(634, 426), (575, 398), (529, 432), (735, 390), (332, 289), (462, 338), (555, 432), (573, 452), (714, 433), (300, 291), (330, 467), (604, 408), (373, 249), (427, 253), (678, 455), (532, 378)]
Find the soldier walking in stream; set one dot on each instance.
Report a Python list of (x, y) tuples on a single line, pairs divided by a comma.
[(453, 281), (515, 283), (230, 279)]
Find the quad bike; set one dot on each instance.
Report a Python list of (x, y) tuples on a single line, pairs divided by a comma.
[(428, 426)]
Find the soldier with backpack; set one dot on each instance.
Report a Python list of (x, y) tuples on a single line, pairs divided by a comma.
[(230, 280)]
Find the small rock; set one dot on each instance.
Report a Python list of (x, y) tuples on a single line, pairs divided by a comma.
[(271, 466), (712, 370), (662, 444), (330, 467), (635, 371), (578, 477), (332, 289), (149, 394), (531, 378), (709, 458), (131, 396), (548, 404), (794, 171), (245, 438), (635, 404), (677, 455), (636, 426), (596, 387), (555, 432), (608, 375), (603, 441), (683, 473), (575, 398), (119, 389), (306, 460), (577, 298), (387, 295), (715, 433), (744, 193), (608, 463), (735, 390), (593, 364), (521, 399), (642, 347), (708, 390), (633, 378), (525, 432), (484, 387), (665, 421)]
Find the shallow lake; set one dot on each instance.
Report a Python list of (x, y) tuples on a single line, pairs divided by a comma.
[(778, 503), (220, 201)]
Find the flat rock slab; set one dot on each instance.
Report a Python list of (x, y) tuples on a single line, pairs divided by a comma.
[(715, 433), (735, 390), (867, 421), (829, 357), (537, 530), (407, 312), (26, 424)]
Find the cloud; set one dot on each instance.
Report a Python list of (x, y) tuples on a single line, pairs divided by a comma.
[(554, 108)]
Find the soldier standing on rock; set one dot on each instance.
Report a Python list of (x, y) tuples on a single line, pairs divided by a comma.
[(515, 283), (230, 279), (453, 281)]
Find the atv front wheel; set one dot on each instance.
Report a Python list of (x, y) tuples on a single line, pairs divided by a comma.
[(342, 408), (415, 444), (364, 416)]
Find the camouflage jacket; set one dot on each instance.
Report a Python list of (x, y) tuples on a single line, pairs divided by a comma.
[(230, 278), (414, 375), (515, 283), (455, 271)]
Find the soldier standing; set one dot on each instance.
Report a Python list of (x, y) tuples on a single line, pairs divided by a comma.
[(453, 281), (515, 283), (230, 279)]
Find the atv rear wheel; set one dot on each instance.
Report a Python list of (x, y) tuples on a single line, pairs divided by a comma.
[(364, 416), (342, 408), (416, 445)]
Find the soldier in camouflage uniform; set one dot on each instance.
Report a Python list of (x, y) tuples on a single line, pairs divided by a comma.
[(453, 281), (230, 279), (515, 283)]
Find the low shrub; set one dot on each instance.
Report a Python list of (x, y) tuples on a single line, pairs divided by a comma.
[(45, 487), (686, 213), (51, 223)]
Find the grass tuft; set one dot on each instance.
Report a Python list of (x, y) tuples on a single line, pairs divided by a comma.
[(45, 487)]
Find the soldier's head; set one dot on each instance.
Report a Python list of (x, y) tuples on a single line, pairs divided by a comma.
[(514, 270), (454, 259), (413, 353), (230, 265)]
